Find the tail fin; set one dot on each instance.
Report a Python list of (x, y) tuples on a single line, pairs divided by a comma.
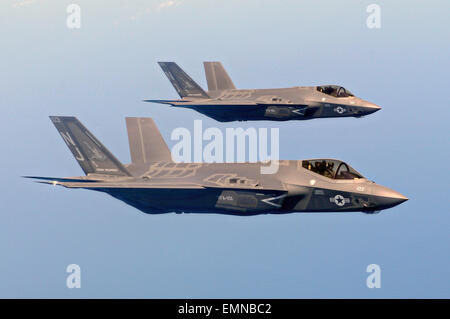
[(146, 142), (92, 156), (217, 77), (185, 86)]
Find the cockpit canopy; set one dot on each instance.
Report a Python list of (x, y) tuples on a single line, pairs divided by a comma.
[(334, 90), (331, 168)]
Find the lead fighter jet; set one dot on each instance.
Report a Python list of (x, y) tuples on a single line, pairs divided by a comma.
[(154, 184), (224, 103)]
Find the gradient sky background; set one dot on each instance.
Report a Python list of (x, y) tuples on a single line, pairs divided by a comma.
[(101, 72)]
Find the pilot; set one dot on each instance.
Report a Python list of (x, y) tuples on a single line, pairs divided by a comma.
[(322, 167), (329, 170), (328, 90), (316, 167)]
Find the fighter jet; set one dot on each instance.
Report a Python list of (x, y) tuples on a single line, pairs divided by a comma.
[(224, 103), (155, 184)]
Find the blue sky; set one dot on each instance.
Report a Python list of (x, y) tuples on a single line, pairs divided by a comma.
[(102, 71)]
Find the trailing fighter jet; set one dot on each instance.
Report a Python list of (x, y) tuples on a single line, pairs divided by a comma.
[(154, 184), (224, 103)]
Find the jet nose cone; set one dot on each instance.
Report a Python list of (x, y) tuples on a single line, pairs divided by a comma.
[(394, 200), (371, 108), (387, 198)]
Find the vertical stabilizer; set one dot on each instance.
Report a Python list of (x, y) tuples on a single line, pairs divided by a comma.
[(146, 143), (217, 78)]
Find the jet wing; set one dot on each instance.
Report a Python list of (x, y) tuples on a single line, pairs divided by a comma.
[(224, 111)]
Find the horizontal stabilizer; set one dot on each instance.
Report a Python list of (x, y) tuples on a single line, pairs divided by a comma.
[(62, 179), (102, 186), (165, 101)]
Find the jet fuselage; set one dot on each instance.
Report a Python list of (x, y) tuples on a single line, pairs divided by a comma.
[(284, 104), (154, 184), (239, 189), (225, 103)]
